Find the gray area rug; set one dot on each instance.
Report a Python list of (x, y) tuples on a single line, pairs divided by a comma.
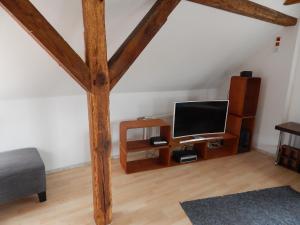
[(274, 206)]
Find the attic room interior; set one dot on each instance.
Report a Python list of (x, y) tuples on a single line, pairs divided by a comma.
[(149, 112)]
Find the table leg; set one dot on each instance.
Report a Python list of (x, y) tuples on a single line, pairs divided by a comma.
[(278, 148), (291, 140)]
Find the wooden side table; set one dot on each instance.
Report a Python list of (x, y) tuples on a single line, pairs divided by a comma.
[(290, 128)]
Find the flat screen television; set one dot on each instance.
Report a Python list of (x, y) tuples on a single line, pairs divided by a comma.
[(199, 118)]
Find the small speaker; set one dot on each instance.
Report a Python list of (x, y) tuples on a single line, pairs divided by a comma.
[(244, 143), (246, 74)]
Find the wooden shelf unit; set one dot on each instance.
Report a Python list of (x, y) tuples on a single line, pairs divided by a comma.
[(126, 146), (243, 101), (165, 152)]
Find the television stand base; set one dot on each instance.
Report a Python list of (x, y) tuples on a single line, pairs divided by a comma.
[(199, 138), (194, 139), (165, 153)]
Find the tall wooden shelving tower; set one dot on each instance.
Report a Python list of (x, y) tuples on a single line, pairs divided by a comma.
[(243, 101)]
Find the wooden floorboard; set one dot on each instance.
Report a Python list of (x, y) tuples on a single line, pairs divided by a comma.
[(148, 197)]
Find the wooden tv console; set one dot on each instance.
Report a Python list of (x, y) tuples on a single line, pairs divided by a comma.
[(164, 159), (243, 101)]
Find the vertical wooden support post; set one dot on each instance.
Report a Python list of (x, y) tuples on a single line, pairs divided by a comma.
[(98, 101)]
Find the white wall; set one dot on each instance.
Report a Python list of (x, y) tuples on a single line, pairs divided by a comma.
[(58, 126), (293, 95), (208, 43), (274, 67), (195, 47), (294, 108)]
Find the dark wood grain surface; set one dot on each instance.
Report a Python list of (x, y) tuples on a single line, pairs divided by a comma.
[(291, 2), (289, 127), (251, 9)]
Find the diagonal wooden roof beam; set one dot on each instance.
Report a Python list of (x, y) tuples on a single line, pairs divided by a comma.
[(42, 31), (251, 9), (139, 39), (291, 2)]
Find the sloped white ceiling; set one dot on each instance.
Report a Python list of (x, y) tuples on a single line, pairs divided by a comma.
[(195, 48)]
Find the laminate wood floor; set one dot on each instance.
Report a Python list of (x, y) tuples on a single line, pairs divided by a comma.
[(149, 197)]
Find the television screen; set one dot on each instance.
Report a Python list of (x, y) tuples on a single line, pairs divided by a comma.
[(196, 118)]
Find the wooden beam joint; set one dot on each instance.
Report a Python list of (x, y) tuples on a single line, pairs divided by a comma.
[(101, 80)]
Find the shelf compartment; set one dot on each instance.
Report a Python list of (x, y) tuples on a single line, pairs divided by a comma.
[(220, 152), (142, 145), (144, 164), (144, 123), (236, 124)]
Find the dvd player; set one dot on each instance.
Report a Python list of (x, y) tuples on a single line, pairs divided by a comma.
[(185, 156), (157, 141)]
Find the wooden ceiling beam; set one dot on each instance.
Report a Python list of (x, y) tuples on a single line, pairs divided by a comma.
[(42, 31), (98, 102), (291, 2), (251, 9), (139, 39)]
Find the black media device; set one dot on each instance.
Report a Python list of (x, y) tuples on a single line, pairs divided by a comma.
[(246, 74), (184, 156), (211, 145), (157, 141), (244, 142), (199, 118)]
